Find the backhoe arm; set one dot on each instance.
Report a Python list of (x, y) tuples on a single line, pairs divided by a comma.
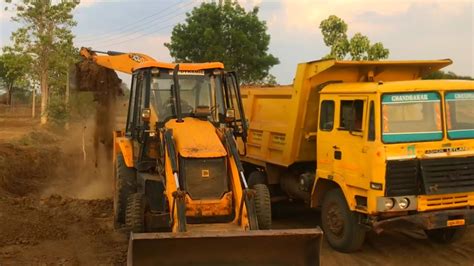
[(123, 62)]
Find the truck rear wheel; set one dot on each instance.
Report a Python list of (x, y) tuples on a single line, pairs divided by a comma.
[(135, 215), (445, 235), (263, 206), (125, 184), (341, 225), (255, 177)]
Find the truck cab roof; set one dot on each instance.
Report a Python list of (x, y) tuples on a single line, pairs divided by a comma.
[(396, 86)]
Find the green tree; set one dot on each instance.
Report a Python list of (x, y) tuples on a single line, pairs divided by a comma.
[(224, 32), (446, 75), (334, 31), (13, 72), (359, 46), (378, 51), (45, 36)]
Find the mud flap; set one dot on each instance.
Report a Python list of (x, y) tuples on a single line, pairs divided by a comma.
[(296, 247)]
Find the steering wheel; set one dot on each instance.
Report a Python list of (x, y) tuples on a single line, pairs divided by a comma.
[(185, 107)]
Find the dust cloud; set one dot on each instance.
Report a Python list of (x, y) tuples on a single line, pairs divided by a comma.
[(85, 170)]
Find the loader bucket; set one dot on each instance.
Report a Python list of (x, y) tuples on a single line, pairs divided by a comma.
[(270, 247)]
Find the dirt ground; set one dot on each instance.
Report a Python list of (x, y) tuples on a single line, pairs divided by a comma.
[(56, 209)]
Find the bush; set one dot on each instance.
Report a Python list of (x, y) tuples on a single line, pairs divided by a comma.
[(57, 111)]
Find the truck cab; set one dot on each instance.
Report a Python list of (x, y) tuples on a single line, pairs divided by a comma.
[(400, 149)]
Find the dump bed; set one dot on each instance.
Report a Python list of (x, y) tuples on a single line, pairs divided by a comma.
[(283, 120)]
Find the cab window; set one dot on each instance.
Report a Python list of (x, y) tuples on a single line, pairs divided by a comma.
[(371, 136), (131, 105), (351, 113), (326, 121)]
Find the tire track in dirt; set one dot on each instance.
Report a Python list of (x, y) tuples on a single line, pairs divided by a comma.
[(398, 247)]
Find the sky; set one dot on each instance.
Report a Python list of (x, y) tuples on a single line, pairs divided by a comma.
[(411, 29)]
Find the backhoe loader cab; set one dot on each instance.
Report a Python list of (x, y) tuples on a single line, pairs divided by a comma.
[(180, 132)]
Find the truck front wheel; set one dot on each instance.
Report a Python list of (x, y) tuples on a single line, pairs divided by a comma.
[(445, 235), (341, 225)]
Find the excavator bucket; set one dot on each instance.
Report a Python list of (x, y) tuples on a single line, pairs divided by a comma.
[(295, 247)]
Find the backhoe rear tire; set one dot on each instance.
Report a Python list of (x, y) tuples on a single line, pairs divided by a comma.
[(445, 235), (263, 206), (125, 185), (135, 215), (341, 225)]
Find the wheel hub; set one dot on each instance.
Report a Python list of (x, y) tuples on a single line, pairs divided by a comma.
[(335, 220)]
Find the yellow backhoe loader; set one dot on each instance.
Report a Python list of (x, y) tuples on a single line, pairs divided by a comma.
[(180, 186)]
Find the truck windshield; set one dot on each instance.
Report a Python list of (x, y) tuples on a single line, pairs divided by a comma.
[(408, 117), (460, 114), (197, 89)]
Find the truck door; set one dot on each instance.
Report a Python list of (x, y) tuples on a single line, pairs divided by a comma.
[(348, 140), (325, 152), (139, 126)]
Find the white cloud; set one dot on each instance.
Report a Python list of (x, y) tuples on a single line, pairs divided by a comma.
[(249, 4), (5, 15), (306, 14)]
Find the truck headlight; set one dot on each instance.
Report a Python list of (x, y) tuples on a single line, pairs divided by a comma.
[(389, 203), (404, 203)]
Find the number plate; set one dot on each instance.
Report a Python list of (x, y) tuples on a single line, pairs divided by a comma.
[(456, 222)]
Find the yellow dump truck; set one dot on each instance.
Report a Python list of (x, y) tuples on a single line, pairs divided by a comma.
[(368, 143)]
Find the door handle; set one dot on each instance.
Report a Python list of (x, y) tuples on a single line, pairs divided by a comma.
[(335, 147)]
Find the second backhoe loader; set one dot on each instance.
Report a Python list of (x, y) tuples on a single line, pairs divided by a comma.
[(180, 187)]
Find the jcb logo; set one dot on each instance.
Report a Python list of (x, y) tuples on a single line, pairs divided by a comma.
[(205, 173), (137, 58)]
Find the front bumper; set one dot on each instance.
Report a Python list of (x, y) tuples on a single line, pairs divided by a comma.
[(427, 220)]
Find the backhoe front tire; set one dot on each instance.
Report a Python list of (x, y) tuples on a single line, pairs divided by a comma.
[(125, 185), (445, 235), (263, 206), (135, 214), (341, 225)]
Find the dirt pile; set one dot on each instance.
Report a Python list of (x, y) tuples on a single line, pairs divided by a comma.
[(55, 229), (27, 163), (40, 227)]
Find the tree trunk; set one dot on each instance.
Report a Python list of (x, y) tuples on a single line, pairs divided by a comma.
[(67, 98), (44, 97), (10, 94), (33, 104)]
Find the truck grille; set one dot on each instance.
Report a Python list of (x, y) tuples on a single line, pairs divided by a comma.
[(429, 176), (204, 178), (448, 175), (436, 202), (402, 178)]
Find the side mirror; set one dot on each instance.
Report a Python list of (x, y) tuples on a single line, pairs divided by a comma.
[(230, 115), (146, 114)]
